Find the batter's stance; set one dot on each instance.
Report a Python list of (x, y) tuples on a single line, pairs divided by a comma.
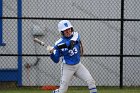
[(69, 48)]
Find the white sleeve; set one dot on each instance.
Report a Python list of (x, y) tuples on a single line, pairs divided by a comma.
[(58, 41), (75, 36)]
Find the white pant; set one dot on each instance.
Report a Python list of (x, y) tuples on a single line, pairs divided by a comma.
[(78, 70)]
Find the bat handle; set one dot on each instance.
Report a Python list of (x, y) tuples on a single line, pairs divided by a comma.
[(42, 43)]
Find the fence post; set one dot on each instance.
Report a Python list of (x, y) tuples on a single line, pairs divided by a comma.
[(1, 27), (19, 29), (121, 44)]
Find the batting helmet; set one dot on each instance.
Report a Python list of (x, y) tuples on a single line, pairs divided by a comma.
[(63, 25)]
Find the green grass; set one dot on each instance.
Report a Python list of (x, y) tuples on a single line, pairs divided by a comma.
[(118, 90), (75, 90)]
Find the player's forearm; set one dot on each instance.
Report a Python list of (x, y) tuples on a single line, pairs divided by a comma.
[(55, 56), (68, 44), (60, 46)]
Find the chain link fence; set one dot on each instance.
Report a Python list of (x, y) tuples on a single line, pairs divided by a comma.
[(100, 24)]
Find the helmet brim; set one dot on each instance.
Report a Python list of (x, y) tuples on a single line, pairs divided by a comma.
[(65, 29)]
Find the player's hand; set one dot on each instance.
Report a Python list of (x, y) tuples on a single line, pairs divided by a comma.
[(50, 49)]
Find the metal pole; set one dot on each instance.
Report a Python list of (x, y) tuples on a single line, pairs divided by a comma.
[(19, 24), (1, 24), (1, 21), (121, 44)]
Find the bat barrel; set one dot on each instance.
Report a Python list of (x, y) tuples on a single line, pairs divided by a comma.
[(39, 41)]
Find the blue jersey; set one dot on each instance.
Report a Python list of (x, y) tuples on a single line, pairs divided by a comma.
[(69, 56)]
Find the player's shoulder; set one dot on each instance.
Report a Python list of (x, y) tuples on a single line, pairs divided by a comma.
[(58, 41), (76, 36), (75, 33)]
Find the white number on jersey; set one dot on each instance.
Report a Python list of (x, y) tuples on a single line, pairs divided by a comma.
[(73, 51)]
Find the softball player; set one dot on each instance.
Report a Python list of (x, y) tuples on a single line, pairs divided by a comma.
[(68, 47)]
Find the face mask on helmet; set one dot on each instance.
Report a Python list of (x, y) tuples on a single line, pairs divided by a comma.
[(67, 32)]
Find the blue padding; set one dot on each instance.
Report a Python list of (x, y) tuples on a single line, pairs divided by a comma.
[(2, 44), (8, 75)]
